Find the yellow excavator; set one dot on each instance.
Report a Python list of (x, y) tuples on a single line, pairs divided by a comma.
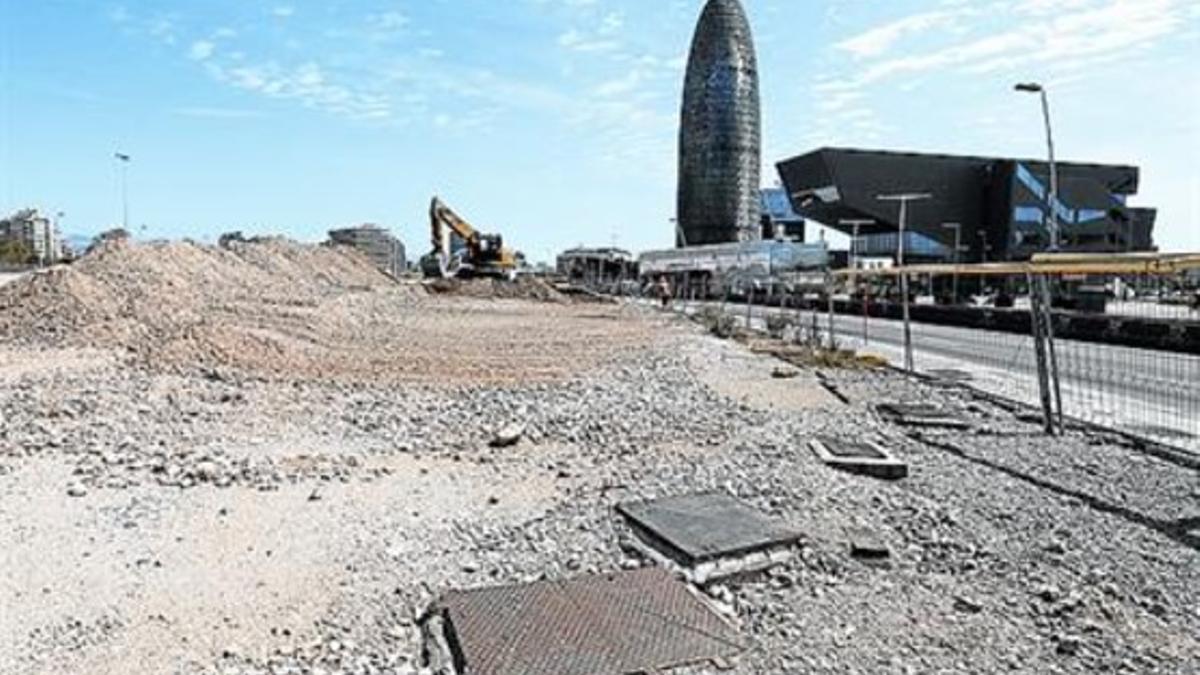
[(461, 251)]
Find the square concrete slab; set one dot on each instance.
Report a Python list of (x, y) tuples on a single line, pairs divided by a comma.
[(695, 529), (860, 457), (642, 621), (950, 375), (921, 415)]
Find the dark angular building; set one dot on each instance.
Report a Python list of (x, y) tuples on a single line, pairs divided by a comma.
[(720, 152), (1002, 205)]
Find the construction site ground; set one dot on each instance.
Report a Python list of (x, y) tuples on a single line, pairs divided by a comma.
[(271, 460)]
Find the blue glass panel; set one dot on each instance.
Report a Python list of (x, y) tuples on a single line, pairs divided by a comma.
[(1028, 214)]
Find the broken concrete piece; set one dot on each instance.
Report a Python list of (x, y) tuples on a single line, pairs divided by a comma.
[(508, 436), (866, 544)]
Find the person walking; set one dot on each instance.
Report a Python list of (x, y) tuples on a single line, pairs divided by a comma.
[(664, 291)]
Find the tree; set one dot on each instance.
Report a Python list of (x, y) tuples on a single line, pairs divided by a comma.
[(115, 234), (14, 252)]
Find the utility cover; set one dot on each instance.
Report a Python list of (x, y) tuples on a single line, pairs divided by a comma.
[(844, 449), (693, 529), (861, 457), (641, 621), (920, 415)]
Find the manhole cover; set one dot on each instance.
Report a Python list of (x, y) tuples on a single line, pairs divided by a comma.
[(710, 535), (920, 414), (628, 622), (860, 457)]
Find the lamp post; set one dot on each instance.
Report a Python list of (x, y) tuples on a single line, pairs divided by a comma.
[(56, 251), (904, 200), (855, 224), (123, 160), (1036, 88), (957, 227)]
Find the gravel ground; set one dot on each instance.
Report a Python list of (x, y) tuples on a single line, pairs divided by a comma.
[(226, 521)]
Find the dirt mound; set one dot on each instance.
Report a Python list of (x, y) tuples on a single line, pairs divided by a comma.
[(524, 288), (145, 297), (278, 309)]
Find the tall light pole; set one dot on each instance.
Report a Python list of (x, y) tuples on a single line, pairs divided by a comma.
[(854, 241), (123, 161), (957, 227), (1036, 88), (855, 225), (904, 200), (56, 250)]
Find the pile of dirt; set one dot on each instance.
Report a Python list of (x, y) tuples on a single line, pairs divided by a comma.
[(278, 309), (524, 288), (148, 298)]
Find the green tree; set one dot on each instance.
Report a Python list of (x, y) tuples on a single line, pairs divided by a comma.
[(14, 252)]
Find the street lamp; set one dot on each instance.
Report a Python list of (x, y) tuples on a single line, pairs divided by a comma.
[(904, 200), (124, 161), (957, 227), (854, 243), (1036, 88)]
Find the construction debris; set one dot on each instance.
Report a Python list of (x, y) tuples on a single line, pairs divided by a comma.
[(508, 436), (523, 288), (194, 472), (866, 544)]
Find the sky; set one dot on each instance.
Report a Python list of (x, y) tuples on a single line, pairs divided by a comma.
[(554, 122)]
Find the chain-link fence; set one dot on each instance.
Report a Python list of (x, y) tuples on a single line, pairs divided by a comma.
[(1112, 341), (1107, 340)]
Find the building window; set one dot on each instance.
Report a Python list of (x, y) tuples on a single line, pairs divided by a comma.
[(1028, 214)]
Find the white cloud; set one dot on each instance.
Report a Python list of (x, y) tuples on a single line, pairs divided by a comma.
[(201, 50), (577, 41), (283, 11), (877, 41)]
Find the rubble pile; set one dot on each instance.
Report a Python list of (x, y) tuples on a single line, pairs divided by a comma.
[(524, 288), (250, 303), (307, 526)]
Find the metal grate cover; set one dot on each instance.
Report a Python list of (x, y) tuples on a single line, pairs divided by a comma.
[(851, 449), (703, 527), (627, 622)]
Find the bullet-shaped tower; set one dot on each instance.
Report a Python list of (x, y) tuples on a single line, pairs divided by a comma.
[(720, 152)]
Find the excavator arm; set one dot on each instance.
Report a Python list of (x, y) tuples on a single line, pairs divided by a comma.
[(484, 255), (444, 222)]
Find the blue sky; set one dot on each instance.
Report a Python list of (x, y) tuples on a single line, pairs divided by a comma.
[(552, 121)]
